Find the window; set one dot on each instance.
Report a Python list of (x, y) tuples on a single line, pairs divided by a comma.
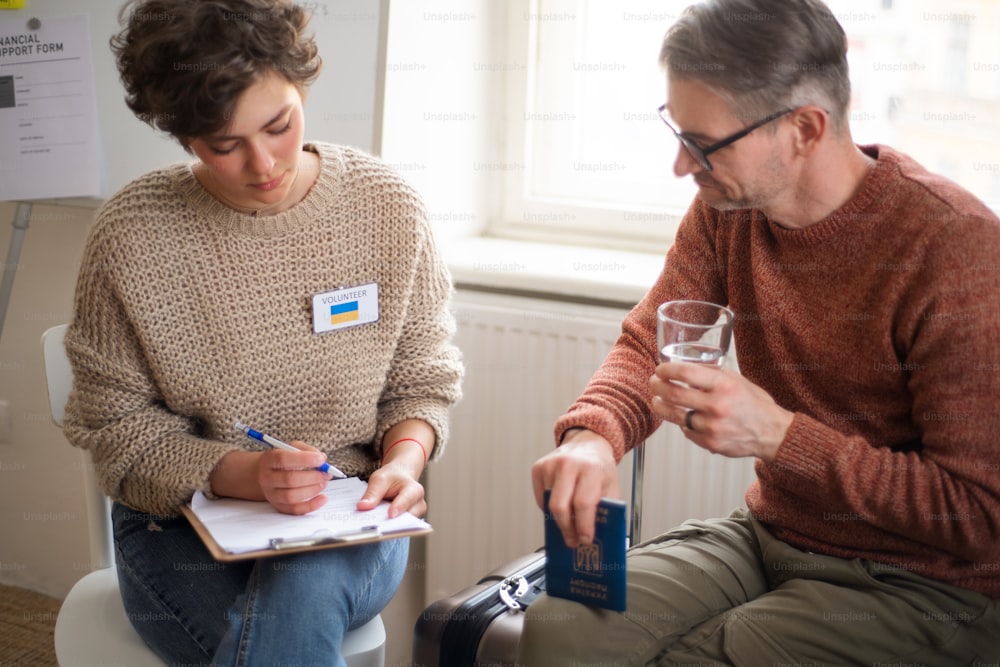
[(926, 80), (596, 158), (588, 161)]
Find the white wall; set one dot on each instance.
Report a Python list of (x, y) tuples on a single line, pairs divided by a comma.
[(41, 485)]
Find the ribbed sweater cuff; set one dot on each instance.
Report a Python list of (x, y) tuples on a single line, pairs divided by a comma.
[(596, 420), (806, 452)]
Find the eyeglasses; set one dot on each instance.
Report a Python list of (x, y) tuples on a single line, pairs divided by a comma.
[(701, 154)]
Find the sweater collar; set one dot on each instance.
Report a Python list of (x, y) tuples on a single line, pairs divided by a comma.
[(228, 220), (859, 212)]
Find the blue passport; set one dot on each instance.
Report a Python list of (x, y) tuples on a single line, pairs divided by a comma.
[(592, 574)]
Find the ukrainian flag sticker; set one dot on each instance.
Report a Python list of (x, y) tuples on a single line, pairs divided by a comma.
[(344, 312), (345, 307)]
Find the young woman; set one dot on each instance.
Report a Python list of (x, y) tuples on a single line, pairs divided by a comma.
[(204, 298)]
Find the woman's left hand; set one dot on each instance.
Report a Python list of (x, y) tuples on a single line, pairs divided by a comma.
[(405, 449), (392, 482)]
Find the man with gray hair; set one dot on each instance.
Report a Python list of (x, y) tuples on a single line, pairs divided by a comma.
[(867, 302)]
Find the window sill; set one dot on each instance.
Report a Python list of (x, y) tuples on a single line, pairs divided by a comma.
[(593, 275)]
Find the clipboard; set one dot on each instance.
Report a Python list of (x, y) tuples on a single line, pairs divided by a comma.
[(288, 534), (286, 547)]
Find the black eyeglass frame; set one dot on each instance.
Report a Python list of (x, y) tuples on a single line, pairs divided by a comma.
[(700, 154)]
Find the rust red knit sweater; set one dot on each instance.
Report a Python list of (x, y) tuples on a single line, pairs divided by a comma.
[(880, 328)]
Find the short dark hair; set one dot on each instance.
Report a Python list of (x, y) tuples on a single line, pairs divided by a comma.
[(763, 55), (184, 63)]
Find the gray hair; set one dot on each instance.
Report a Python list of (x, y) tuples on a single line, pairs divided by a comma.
[(762, 56)]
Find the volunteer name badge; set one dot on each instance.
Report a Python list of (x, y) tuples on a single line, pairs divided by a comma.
[(345, 307)]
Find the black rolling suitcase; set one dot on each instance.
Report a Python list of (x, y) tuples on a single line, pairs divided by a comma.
[(480, 626)]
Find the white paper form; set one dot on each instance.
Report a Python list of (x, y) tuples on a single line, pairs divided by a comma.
[(240, 526), (49, 134)]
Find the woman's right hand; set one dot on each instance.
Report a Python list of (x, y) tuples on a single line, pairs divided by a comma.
[(286, 479), (579, 472), (289, 480)]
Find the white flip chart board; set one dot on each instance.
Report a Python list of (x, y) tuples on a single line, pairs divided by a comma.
[(49, 143)]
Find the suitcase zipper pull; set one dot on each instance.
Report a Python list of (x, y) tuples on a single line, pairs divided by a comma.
[(512, 588)]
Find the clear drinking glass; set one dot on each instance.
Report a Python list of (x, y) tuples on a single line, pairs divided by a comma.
[(695, 332)]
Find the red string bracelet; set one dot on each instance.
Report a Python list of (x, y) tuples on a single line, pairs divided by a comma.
[(422, 448)]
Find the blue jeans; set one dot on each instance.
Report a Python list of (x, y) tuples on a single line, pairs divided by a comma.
[(294, 609)]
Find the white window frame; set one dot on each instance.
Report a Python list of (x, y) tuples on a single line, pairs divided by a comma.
[(530, 216)]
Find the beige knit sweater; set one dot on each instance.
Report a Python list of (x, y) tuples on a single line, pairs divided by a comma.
[(190, 316)]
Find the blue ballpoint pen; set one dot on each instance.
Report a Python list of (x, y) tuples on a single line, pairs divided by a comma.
[(274, 442)]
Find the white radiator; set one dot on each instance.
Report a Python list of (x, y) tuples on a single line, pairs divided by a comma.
[(526, 361)]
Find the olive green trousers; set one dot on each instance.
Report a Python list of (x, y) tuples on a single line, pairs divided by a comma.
[(725, 592)]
